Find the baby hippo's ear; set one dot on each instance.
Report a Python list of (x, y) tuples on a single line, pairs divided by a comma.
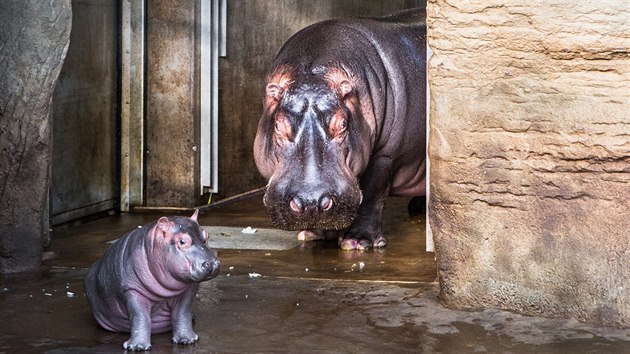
[(164, 224), (204, 235), (195, 214)]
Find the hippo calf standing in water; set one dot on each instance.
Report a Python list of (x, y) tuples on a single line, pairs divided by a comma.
[(343, 126), (146, 281)]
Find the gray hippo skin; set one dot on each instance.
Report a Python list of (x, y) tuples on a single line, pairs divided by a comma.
[(343, 126), (146, 281)]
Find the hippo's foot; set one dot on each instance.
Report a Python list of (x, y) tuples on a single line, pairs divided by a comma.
[(310, 235), (316, 235), (137, 345), (350, 241), (185, 336)]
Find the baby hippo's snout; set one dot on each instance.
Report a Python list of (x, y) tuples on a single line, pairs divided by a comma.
[(206, 265), (212, 268)]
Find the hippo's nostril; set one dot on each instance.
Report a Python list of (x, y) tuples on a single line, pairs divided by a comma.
[(296, 205), (205, 265), (325, 203)]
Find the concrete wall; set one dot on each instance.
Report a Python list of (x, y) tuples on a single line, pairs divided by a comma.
[(29, 73), (530, 156), (172, 104)]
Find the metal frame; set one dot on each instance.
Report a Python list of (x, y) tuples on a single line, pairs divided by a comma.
[(213, 45), (132, 62), (429, 246)]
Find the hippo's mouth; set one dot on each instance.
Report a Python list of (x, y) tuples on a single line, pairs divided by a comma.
[(339, 218)]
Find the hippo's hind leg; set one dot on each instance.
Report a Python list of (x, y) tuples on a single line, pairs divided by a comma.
[(182, 317), (417, 206), (366, 230)]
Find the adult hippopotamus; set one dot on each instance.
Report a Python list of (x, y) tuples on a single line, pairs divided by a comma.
[(147, 281), (343, 126)]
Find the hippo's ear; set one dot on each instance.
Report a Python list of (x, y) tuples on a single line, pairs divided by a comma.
[(164, 224), (195, 214), (344, 88), (275, 91)]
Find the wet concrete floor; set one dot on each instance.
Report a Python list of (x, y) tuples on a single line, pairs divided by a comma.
[(313, 298)]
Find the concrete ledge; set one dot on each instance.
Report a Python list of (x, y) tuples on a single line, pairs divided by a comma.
[(262, 239)]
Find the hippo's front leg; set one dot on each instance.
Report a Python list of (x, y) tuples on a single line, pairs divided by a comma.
[(139, 310), (182, 317), (366, 229)]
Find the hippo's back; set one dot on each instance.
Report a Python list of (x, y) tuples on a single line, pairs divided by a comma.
[(354, 42)]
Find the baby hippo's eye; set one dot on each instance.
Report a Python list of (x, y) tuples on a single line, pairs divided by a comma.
[(184, 242)]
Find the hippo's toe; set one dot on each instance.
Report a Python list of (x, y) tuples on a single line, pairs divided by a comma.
[(380, 242), (357, 242), (185, 339), (310, 235), (348, 244), (136, 347)]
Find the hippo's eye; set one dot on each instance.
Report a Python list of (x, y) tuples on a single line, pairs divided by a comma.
[(282, 129), (184, 242), (338, 125)]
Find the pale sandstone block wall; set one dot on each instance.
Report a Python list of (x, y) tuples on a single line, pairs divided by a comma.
[(530, 155)]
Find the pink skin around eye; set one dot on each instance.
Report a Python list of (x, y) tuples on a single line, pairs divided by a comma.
[(337, 125), (283, 128)]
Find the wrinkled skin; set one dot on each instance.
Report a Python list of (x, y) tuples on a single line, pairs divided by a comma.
[(146, 281), (343, 127)]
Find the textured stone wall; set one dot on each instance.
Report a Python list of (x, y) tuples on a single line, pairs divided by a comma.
[(34, 38), (530, 155)]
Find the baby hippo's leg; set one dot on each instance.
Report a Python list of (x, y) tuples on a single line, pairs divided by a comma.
[(139, 309), (182, 317)]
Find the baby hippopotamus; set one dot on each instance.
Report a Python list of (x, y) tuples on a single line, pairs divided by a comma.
[(147, 281)]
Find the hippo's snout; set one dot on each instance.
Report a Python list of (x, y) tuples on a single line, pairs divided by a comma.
[(301, 210), (206, 270), (301, 203), (212, 267)]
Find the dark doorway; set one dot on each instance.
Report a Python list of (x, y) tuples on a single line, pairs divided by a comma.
[(84, 168)]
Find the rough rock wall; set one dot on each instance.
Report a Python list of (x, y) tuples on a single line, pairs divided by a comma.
[(34, 37), (530, 155)]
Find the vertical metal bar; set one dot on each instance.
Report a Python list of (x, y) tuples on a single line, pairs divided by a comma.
[(205, 149), (223, 29), (132, 106), (215, 95), (429, 245), (209, 152)]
